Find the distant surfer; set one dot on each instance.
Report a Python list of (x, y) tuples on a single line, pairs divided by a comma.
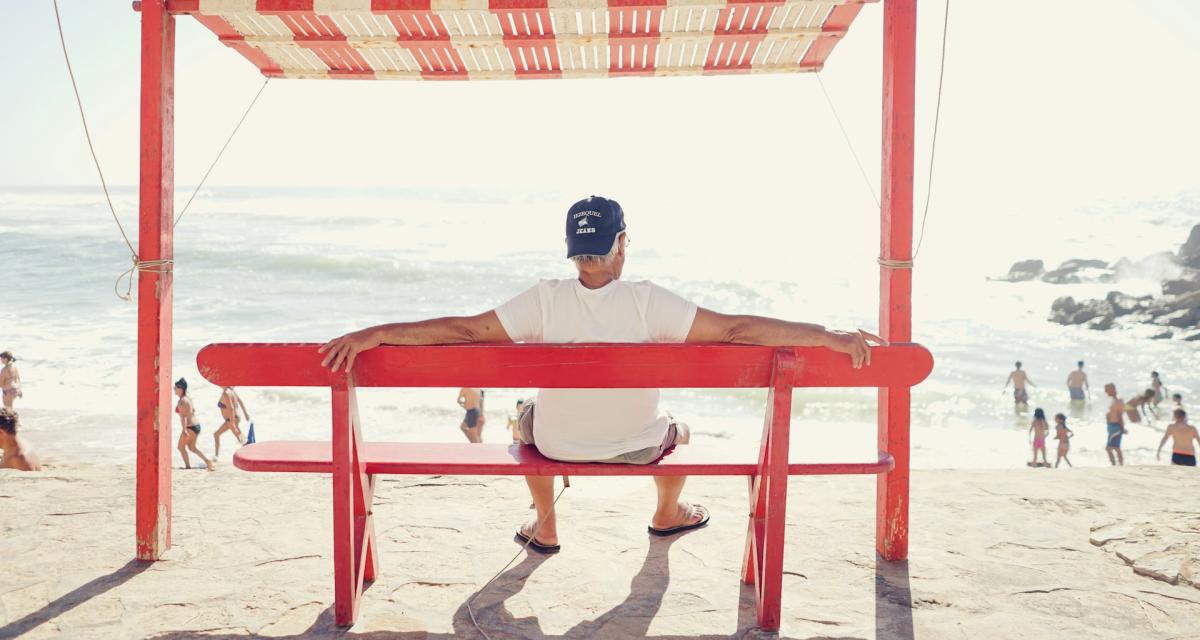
[(1115, 419), (10, 379), (1077, 384), (1019, 379), (471, 400), (229, 404)]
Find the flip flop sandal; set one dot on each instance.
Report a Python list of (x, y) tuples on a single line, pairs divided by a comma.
[(683, 527), (535, 545)]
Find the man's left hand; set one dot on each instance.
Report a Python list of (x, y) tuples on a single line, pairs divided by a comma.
[(345, 349), (857, 344)]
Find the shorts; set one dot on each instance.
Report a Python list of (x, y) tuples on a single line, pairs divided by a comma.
[(1183, 459), (1076, 393), (472, 418), (1039, 442), (195, 429), (1020, 396), (676, 431), (1115, 430)]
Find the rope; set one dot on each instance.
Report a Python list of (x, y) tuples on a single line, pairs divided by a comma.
[(937, 114), (222, 151), (895, 264), (88, 134), (846, 137), (139, 265), (532, 536)]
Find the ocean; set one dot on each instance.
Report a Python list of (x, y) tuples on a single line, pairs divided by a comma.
[(273, 264)]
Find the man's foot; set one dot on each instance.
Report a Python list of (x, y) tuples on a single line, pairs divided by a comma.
[(541, 544), (686, 518)]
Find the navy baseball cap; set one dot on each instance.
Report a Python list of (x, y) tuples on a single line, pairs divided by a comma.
[(592, 226)]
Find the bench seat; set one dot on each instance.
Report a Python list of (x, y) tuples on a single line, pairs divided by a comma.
[(462, 458)]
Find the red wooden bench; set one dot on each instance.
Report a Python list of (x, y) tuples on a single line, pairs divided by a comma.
[(355, 463)]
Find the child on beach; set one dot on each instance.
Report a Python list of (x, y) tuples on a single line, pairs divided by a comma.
[(514, 423), (1039, 429), (1063, 435), (1182, 452), (1177, 398), (16, 454)]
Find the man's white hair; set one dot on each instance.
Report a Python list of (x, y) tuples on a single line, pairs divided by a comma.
[(582, 261)]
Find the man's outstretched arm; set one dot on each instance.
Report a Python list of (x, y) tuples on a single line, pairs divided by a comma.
[(484, 327), (710, 326)]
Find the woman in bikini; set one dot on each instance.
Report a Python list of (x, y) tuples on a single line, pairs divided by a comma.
[(10, 379), (1039, 429), (1063, 435), (191, 429), (228, 404), (1139, 406)]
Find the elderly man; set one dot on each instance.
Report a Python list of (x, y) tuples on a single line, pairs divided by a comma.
[(600, 425)]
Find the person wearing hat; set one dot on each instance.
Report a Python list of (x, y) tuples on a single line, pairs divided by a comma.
[(624, 426)]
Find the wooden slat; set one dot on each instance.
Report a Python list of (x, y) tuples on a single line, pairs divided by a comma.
[(559, 366), (463, 458)]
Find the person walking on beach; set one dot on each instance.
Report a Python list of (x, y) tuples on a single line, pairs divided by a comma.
[(1115, 419), (191, 428), (229, 404), (1182, 434), (1019, 379), (471, 400), (10, 379), (1039, 429), (16, 454), (1077, 384), (624, 426), (1063, 435)]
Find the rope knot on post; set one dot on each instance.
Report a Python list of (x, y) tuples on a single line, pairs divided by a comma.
[(895, 264), (151, 266)]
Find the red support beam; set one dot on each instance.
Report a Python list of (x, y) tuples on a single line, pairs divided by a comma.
[(895, 279), (155, 222)]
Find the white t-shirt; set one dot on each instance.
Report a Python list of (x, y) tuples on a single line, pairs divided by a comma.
[(597, 424)]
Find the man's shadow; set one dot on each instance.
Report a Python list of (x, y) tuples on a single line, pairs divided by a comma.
[(629, 619)]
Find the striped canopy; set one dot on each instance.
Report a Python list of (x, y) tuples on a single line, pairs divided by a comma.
[(507, 39)]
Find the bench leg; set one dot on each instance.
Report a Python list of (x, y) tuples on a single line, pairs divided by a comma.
[(354, 559), (763, 561)]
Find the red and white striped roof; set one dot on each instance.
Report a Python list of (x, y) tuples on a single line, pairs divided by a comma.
[(507, 39)]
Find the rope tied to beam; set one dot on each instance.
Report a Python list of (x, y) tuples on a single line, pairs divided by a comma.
[(895, 264), (139, 265), (149, 266)]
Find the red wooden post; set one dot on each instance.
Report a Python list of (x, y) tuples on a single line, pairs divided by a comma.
[(155, 227), (895, 295)]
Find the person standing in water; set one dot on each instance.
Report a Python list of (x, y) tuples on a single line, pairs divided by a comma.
[(16, 454), (471, 400), (1160, 389), (191, 428), (1063, 435), (1182, 452), (1039, 429), (229, 404), (1077, 383), (1177, 400), (10, 379), (1019, 379), (1115, 419)]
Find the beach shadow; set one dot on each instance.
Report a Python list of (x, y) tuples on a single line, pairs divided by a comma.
[(893, 601), (72, 599)]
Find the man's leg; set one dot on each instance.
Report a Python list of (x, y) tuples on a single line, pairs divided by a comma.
[(1112, 459), (671, 512), (541, 488), (1120, 457)]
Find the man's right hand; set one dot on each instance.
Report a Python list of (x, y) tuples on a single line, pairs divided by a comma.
[(345, 349)]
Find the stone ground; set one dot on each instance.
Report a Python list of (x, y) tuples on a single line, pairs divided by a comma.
[(1080, 553)]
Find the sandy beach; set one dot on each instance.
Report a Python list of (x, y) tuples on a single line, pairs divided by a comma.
[(1095, 553)]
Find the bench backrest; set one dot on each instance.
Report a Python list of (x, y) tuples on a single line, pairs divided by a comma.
[(562, 366)]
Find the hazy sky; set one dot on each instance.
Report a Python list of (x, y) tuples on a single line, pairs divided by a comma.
[(1049, 100)]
